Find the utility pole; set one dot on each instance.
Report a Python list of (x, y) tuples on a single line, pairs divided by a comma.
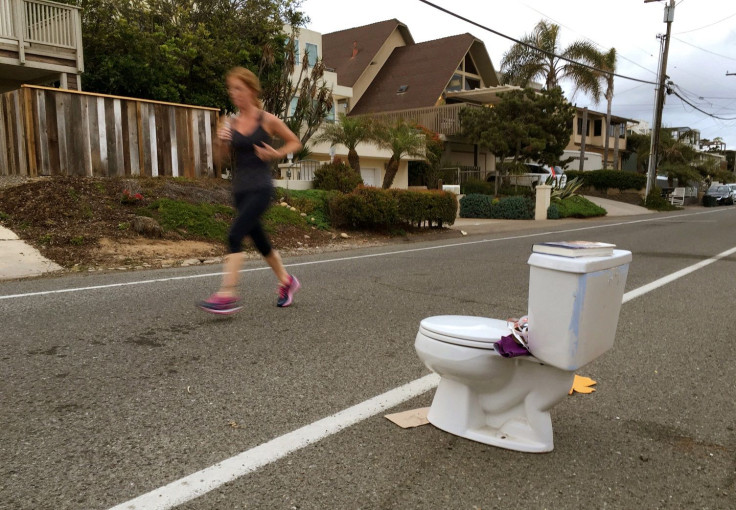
[(669, 16), (583, 134)]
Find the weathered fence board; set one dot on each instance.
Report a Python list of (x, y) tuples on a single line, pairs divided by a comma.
[(46, 131)]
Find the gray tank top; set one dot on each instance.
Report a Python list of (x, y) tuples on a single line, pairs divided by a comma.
[(250, 172)]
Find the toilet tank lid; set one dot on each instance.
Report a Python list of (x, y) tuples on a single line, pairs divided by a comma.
[(580, 264), (477, 329)]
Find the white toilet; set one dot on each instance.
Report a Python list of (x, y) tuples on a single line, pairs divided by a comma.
[(574, 304)]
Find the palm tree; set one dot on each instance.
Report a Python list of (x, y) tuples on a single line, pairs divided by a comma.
[(607, 62), (522, 64), (401, 139), (349, 132)]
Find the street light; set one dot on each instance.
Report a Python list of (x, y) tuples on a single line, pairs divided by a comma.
[(669, 16)]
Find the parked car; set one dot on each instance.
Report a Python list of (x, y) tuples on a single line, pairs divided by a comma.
[(718, 194), (733, 190), (538, 174)]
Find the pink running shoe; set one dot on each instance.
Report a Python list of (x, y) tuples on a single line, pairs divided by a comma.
[(221, 305), (286, 292)]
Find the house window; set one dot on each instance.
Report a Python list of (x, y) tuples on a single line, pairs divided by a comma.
[(472, 84), (331, 114), (311, 50), (580, 127), (466, 77), (469, 65), (597, 127), (456, 83)]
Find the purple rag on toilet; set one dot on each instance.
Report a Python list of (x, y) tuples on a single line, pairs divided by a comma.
[(508, 347)]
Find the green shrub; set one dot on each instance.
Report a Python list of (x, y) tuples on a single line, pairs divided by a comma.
[(365, 208), (577, 207), (513, 208), (336, 176), (656, 202), (420, 207), (475, 206), (603, 180), (553, 212), (507, 208)]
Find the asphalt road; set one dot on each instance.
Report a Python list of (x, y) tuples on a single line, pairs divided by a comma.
[(114, 385)]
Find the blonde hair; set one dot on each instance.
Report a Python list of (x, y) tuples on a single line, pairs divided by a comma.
[(250, 80)]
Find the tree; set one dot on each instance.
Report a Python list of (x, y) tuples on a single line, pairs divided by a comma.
[(178, 50), (308, 94), (524, 125), (521, 64), (401, 139), (349, 132), (607, 62)]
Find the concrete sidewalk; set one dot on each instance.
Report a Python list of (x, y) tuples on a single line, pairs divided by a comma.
[(18, 259)]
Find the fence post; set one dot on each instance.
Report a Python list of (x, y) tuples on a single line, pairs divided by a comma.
[(30, 137)]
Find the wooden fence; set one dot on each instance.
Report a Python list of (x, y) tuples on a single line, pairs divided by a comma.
[(46, 131)]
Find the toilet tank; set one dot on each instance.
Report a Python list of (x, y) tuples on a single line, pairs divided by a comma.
[(574, 305)]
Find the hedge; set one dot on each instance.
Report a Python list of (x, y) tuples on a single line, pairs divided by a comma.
[(508, 208), (336, 176), (603, 180), (368, 207)]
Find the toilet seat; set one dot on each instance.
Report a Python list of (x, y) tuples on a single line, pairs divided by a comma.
[(468, 331)]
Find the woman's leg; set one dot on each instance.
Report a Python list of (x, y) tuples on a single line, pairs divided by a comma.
[(288, 284), (250, 207), (232, 265), (274, 260)]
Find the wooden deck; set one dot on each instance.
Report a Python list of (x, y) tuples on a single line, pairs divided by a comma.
[(444, 120), (40, 42)]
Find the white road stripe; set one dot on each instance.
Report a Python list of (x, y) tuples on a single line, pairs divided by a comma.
[(211, 478), (674, 276), (202, 482), (341, 259)]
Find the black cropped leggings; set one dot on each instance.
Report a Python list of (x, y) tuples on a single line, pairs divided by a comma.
[(250, 206)]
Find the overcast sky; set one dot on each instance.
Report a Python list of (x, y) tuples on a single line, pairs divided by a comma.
[(702, 47)]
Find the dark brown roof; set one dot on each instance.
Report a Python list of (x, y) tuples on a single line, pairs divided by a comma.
[(425, 69), (337, 48)]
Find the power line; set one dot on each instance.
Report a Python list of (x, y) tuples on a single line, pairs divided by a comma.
[(531, 46), (697, 108), (706, 26), (703, 49)]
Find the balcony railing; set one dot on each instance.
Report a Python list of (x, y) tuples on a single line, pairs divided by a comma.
[(40, 22), (444, 119)]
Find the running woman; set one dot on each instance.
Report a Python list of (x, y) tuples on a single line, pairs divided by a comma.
[(249, 135)]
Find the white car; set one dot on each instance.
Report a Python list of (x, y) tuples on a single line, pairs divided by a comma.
[(544, 172), (732, 185), (537, 174)]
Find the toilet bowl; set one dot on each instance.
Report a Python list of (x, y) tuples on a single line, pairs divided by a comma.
[(483, 396), (506, 402)]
